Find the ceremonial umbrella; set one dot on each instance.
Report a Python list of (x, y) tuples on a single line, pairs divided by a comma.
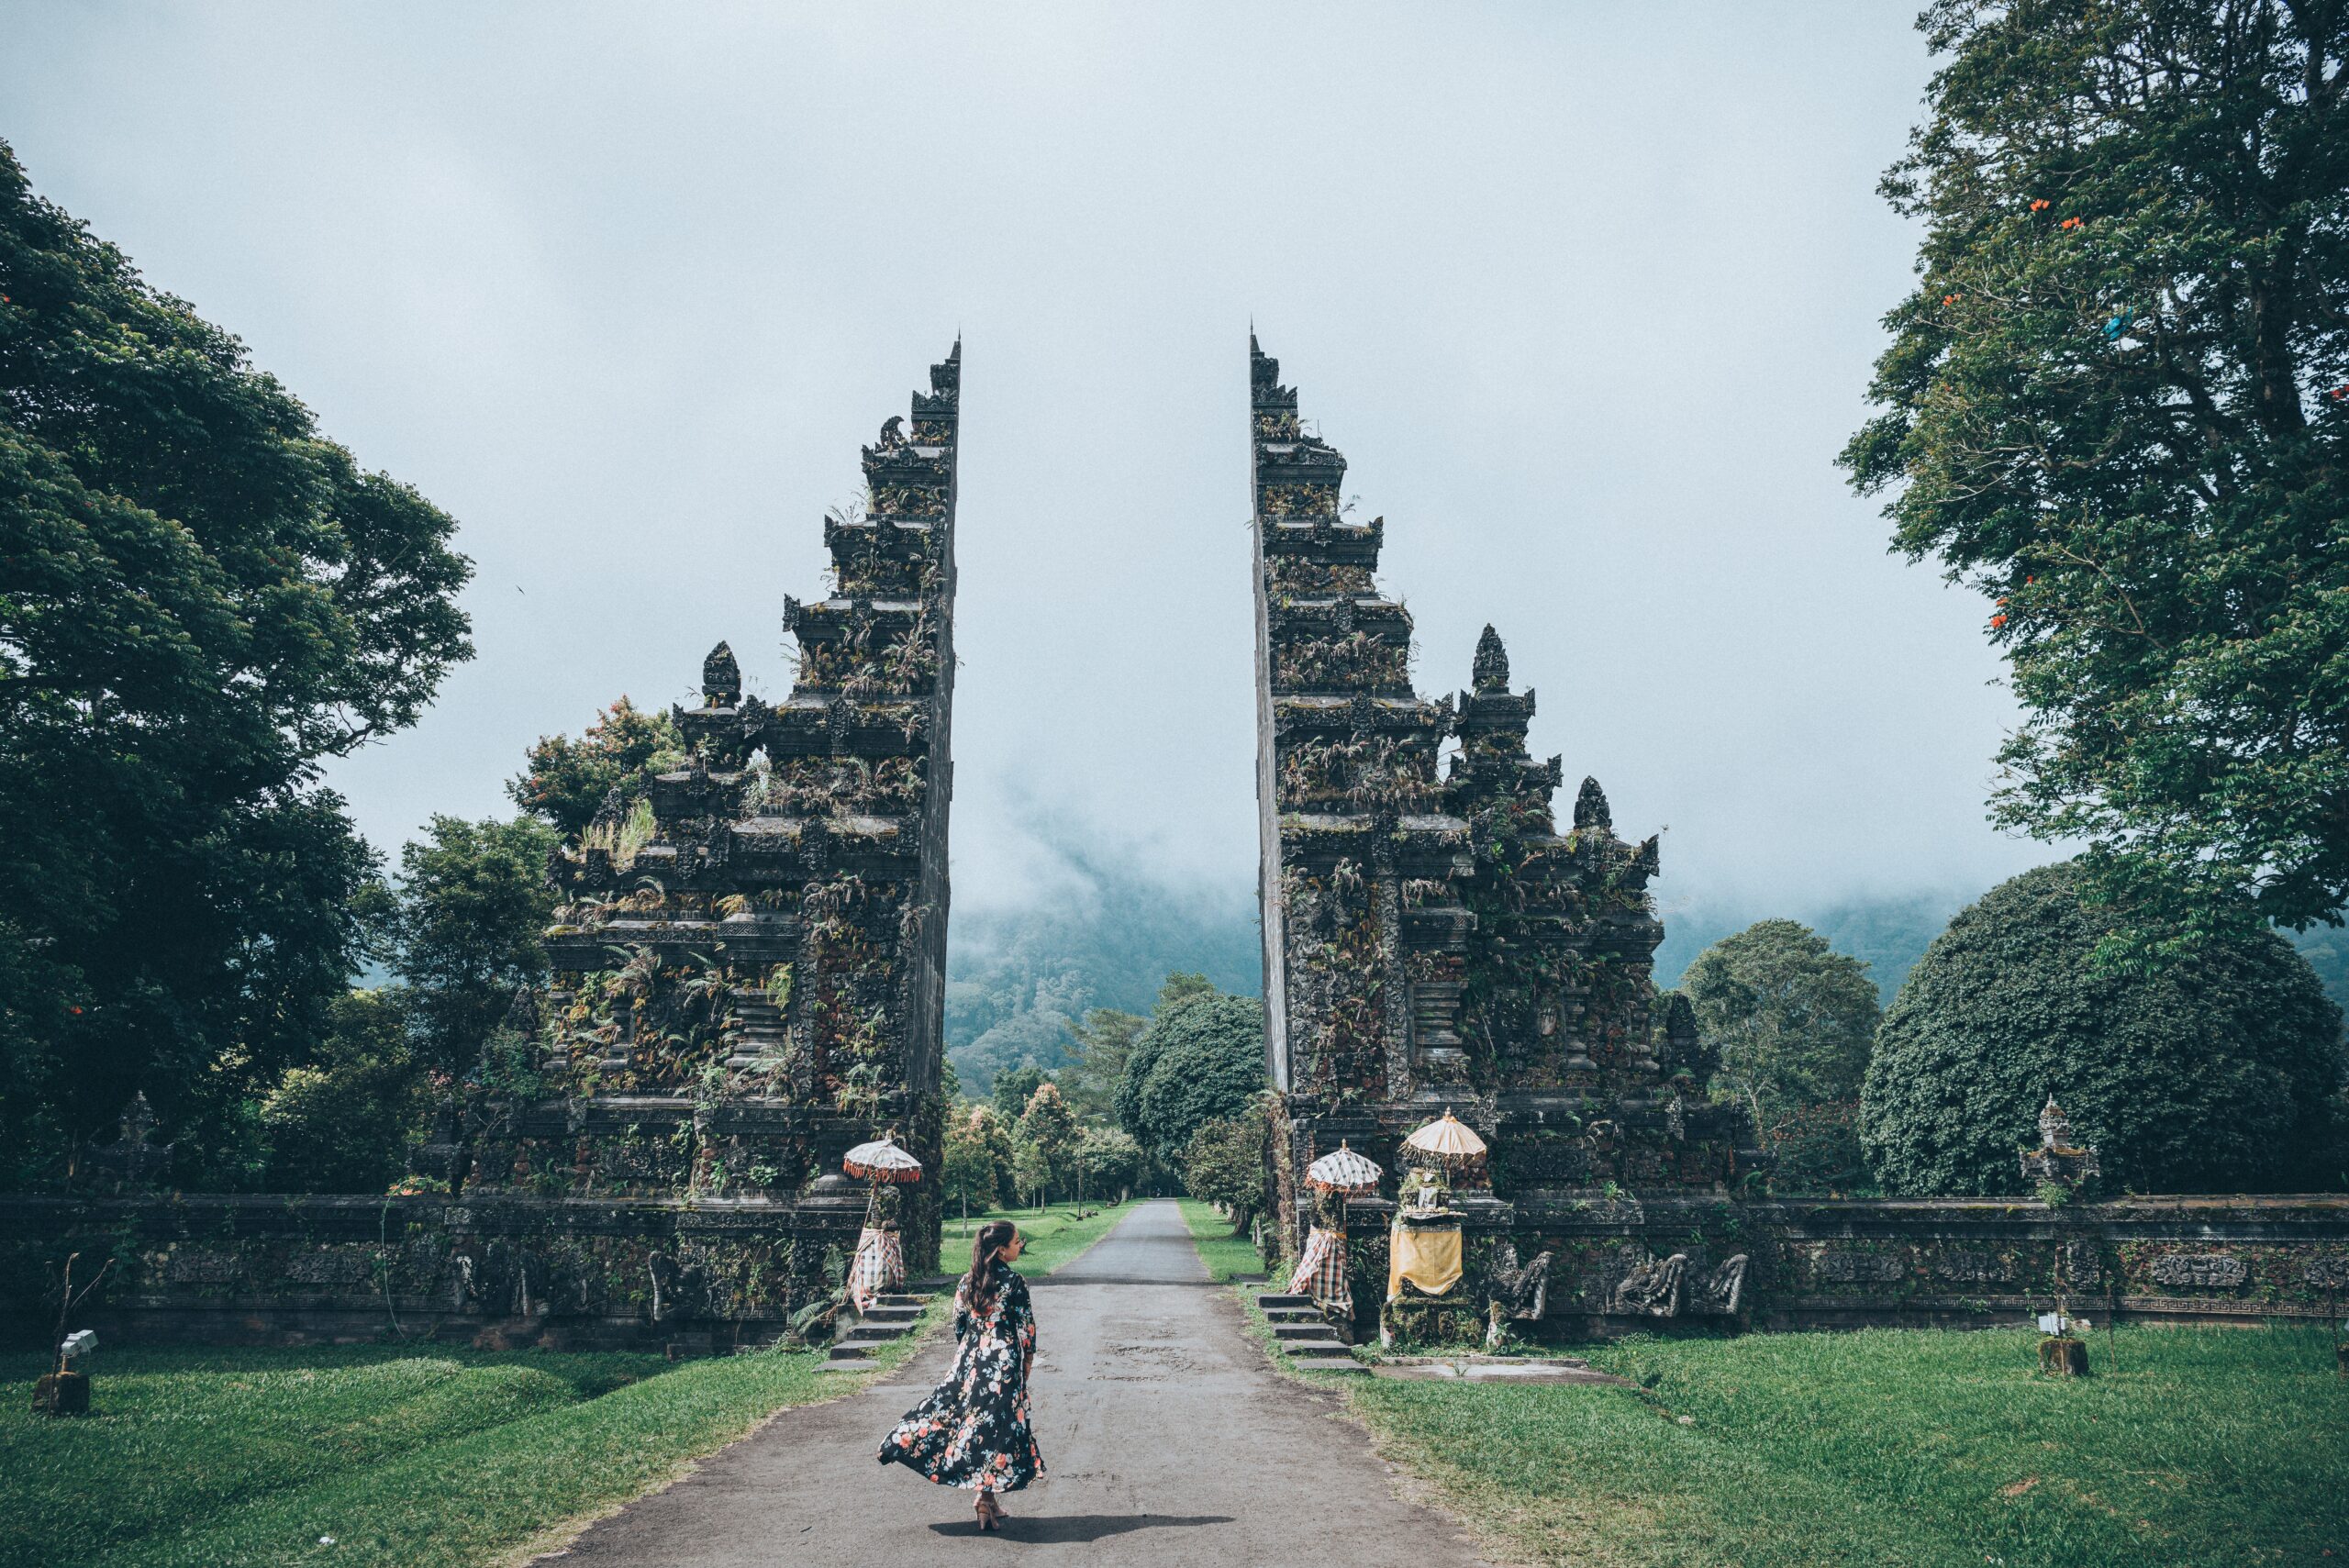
[(881, 1161), (1451, 1142), (1344, 1173)]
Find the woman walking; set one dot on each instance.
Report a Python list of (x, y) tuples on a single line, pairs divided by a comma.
[(972, 1429)]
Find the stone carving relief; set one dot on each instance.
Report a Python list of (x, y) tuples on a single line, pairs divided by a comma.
[(1651, 1289), (201, 1268), (2201, 1270), (2329, 1273), (1670, 1287), (1859, 1267), (342, 1271), (1971, 1268)]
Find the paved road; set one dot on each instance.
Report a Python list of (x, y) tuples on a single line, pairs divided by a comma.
[(1166, 1436)]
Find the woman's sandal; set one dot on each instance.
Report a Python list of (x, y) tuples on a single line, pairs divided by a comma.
[(990, 1515)]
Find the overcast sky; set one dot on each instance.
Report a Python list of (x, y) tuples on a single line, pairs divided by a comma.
[(1586, 293)]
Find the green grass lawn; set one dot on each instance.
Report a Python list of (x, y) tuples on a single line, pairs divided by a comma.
[(2217, 1447), (408, 1456), (1055, 1234), (1227, 1256)]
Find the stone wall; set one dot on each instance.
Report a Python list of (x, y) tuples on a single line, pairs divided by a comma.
[(707, 1276), (568, 1274), (1852, 1264)]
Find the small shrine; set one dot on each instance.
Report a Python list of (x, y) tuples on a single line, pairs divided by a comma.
[(2058, 1160)]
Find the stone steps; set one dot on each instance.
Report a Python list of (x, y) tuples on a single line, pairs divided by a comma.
[(1304, 1335), (764, 1032), (892, 1317)]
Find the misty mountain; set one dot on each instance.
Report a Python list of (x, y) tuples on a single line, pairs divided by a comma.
[(1016, 980)]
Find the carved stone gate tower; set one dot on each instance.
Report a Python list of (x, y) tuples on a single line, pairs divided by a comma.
[(1433, 936), (749, 963)]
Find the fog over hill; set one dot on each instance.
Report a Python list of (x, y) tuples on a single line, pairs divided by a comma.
[(1017, 977)]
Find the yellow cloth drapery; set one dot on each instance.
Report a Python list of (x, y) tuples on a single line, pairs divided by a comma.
[(1429, 1259)]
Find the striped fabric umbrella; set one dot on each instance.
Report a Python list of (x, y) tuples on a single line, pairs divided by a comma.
[(881, 1161), (1343, 1173)]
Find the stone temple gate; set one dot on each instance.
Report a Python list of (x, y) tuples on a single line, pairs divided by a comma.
[(1436, 938), (749, 979)]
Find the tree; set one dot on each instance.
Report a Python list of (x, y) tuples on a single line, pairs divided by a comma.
[(1032, 1171), (973, 1173), (567, 782), (1109, 1161), (1014, 1089), (2118, 404), (1050, 1129), (201, 600), (1182, 987), (1097, 1064), (1793, 1019), (2210, 1074), (473, 908), (1223, 1163), (1200, 1061), (345, 1125)]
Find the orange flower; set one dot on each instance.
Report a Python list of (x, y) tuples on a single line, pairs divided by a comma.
[(1949, 299), (1997, 621), (2070, 223), (2002, 604), (2039, 206)]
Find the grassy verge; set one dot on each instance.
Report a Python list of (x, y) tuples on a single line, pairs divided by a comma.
[(408, 1457), (1228, 1256), (1055, 1234), (1938, 1450)]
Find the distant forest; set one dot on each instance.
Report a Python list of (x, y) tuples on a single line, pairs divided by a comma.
[(1016, 981)]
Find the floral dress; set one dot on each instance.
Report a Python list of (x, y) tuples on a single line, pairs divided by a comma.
[(972, 1429)]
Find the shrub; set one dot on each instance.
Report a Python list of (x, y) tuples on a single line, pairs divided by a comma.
[(344, 1125), (2211, 1073), (1223, 1163)]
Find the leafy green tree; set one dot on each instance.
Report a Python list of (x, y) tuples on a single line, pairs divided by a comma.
[(201, 600), (1014, 1089), (1109, 1161), (1050, 1129), (1200, 1061), (466, 932), (1182, 985), (1097, 1064), (345, 1124), (972, 1174), (2118, 404), (1032, 1171), (2211, 1073), (1792, 1018), (1223, 1163), (567, 782)]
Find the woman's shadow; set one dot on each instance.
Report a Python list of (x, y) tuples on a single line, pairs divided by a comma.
[(1081, 1528)]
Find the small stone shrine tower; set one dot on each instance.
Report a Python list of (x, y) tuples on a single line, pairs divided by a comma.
[(750, 966), (1433, 937)]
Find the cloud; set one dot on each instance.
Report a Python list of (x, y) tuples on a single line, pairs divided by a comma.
[(623, 289)]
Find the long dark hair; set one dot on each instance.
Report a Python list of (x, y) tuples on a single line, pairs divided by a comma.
[(985, 1247)]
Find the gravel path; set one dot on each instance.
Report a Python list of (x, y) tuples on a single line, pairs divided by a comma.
[(1168, 1439)]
